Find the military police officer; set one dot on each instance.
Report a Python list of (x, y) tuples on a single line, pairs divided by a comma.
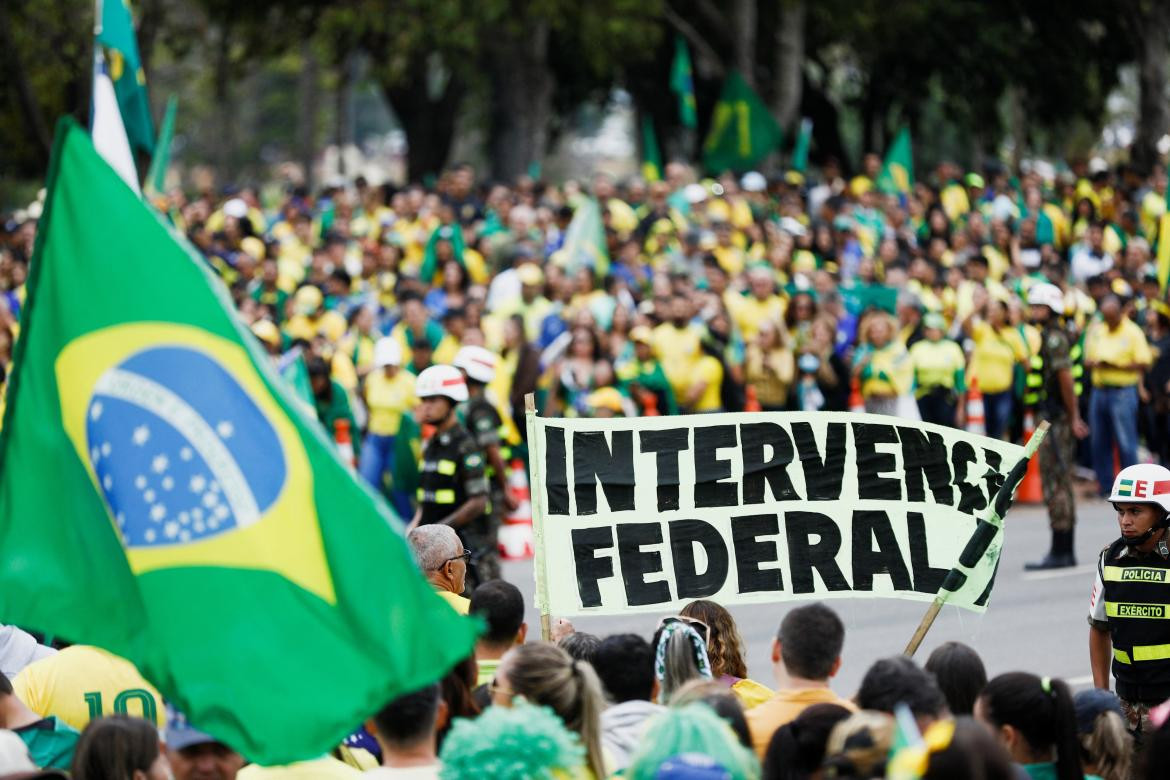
[(1056, 403), (483, 423), (452, 487), (1130, 603)]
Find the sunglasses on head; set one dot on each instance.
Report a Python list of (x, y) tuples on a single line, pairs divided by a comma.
[(699, 626)]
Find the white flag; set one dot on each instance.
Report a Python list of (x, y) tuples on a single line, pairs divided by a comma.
[(107, 129)]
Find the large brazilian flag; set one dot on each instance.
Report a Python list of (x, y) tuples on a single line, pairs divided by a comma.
[(164, 495)]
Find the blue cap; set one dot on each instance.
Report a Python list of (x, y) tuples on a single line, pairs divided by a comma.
[(180, 734), (691, 766), (1091, 703)]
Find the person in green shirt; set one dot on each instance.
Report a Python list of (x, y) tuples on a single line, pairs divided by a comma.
[(331, 400), (1035, 719), (50, 742)]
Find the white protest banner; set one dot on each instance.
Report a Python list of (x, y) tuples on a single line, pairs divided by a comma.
[(647, 514)]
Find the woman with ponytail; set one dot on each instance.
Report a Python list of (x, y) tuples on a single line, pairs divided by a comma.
[(1035, 720), (546, 675)]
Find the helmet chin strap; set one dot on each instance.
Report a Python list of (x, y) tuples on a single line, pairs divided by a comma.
[(1138, 541)]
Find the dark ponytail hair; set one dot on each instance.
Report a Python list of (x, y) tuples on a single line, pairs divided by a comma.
[(1041, 710)]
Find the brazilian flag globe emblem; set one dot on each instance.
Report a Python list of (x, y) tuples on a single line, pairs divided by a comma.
[(164, 495)]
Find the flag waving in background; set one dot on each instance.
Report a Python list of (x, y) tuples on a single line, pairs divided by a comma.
[(651, 157), (897, 176), (115, 32), (743, 131), (1164, 247), (803, 142), (584, 245), (165, 497), (682, 83)]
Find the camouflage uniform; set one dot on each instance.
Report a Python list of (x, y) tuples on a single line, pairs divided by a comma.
[(1058, 452), (483, 422)]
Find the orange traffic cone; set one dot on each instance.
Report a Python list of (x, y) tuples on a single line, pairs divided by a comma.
[(344, 439), (650, 405), (515, 538), (751, 402), (1030, 491), (856, 403), (976, 422)]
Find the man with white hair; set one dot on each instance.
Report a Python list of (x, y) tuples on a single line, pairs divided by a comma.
[(443, 561)]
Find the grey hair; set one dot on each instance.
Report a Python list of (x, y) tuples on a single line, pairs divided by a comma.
[(434, 545)]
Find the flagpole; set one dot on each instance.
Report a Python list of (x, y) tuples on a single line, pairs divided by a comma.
[(980, 540), (536, 491)]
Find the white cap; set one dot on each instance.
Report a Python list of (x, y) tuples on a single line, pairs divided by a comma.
[(695, 193), (1049, 295), (478, 362), (754, 181), (236, 207), (387, 352), (446, 381), (1145, 483)]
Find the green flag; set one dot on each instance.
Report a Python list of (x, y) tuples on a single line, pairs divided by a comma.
[(651, 157), (584, 245), (897, 176), (164, 496), (803, 142), (742, 132), (682, 83), (116, 34), (156, 177)]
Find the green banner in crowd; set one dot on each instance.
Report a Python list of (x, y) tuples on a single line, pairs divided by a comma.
[(742, 132), (897, 176), (116, 34), (164, 496), (803, 142), (682, 83)]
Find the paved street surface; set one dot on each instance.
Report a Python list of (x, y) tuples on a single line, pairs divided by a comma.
[(1036, 621)]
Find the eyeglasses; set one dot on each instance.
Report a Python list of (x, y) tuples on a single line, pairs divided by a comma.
[(699, 626), (466, 557)]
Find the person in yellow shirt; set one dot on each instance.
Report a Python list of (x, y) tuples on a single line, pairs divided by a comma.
[(762, 303), (939, 368), (679, 342), (999, 351), (806, 655), (443, 561), (310, 317), (883, 365), (323, 768), (389, 394), (1117, 353), (770, 367), (705, 391), (82, 682)]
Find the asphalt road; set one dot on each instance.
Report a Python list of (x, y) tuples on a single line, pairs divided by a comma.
[(1035, 622)]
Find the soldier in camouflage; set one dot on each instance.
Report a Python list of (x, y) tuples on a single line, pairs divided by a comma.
[(1056, 403), (483, 422)]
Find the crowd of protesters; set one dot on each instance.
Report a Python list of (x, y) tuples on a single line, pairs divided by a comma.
[(674, 704), (702, 295), (693, 295)]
